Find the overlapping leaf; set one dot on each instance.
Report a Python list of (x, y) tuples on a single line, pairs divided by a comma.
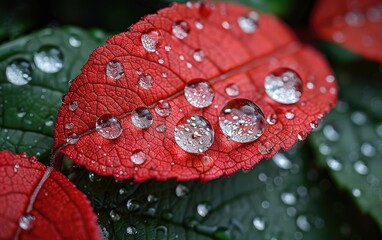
[(221, 44), (40, 203), (353, 24)]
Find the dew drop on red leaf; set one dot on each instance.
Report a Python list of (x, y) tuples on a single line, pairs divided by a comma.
[(40, 203), (354, 24), (178, 70)]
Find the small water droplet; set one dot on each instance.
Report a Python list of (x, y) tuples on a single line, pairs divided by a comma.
[(272, 119), (161, 128), (330, 133), (302, 135), (49, 59), (163, 108), (334, 164), (356, 192), (199, 94), (302, 223), (338, 36), (152, 198), (72, 138), (75, 41), (288, 198), (289, 115), (105, 234), (131, 230), (203, 209), (199, 24), (26, 221), (151, 40), (19, 72), (368, 150), (232, 90), (133, 205), (160, 60), (16, 167), (167, 48), (204, 163), (354, 18), (114, 70), (324, 149), (69, 126), (145, 81), (330, 78), (114, 215), (93, 177), (206, 9), (242, 120), (141, 117), (199, 55), (194, 134), (138, 157), (249, 23), (283, 86), (265, 147), (361, 168), (108, 126), (181, 29), (314, 124), (164, 75), (358, 118), (259, 223), (182, 191), (282, 161)]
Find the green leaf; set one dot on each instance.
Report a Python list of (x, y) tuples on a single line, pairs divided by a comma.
[(28, 111), (349, 142), (281, 198)]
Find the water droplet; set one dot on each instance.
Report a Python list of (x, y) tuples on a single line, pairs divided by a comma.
[(354, 18), (114, 215), (283, 86), (152, 198), (288, 198), (164, 75), (368, 150), (26, 221), (232, 90), (259, 223), (338, 36), (265, 147), (69, 126), (146, 81), (242, 120), (199, 24), (141, 117), (160, 60), (161, 128), (204, 163), (133, 205), (358, 118), (114, 69), (93, 177), (105, 234), (330, 133), (72, 139), (334, 164), (49, 59), (249, 23), (151, 40), (206, 8), (194, 134), (181, 29), (203, 209), (73, 106), (272, 119), (16, 167), (314, 124), (289, 115), (19, 72), (163, 108), (199, 94), (108, 126), (138, 157), (361, 168), (356, 192), (181, 191), (302, 223), (226, 25), (21, 112), (199, 55), (302, 135), (167, 48), (131, 230), (74, 41), (282, 161)]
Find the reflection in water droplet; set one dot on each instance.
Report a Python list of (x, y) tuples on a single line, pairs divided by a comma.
[(108, 126), (242, 120), (151, 40), (181, 191), (199, 55), (361, 168), (163, 108), (138, 157), (180, 29), (302, 223), (283, 86), (199, 94), (19, 72), (49, 59), (288, 198), (249, 23), (131, 230), (334, 164), (194, 134), (259, 223), (141, 117), (26, 221), (232, 90), (203, 209), (114, 70), (282, 161), (146, 81)]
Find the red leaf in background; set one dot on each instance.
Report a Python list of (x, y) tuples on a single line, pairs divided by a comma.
[(40, 203), (191, 60), (354, 24)]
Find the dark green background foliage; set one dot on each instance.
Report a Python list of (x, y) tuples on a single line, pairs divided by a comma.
[(328, 187)]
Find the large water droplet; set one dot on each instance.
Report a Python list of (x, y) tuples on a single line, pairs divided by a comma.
[(163, 108), (141, 117), (203, 209), (114, 69), (151, 40), (282, 161), (199, 94), (48, 59), (361, 168), (180, 29), (194, 134), (108, 126), (283, 86), (242, 120), (131, 230), (26, 221), (288, 198), (199, 55), (138, 157), (259, 223), (249, 23), (19, 72), (146, 81), (232, 90), (181, 191)]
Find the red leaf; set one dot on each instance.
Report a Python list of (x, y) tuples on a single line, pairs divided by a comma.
[(354, 24), (37, 202), (184, 45)]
